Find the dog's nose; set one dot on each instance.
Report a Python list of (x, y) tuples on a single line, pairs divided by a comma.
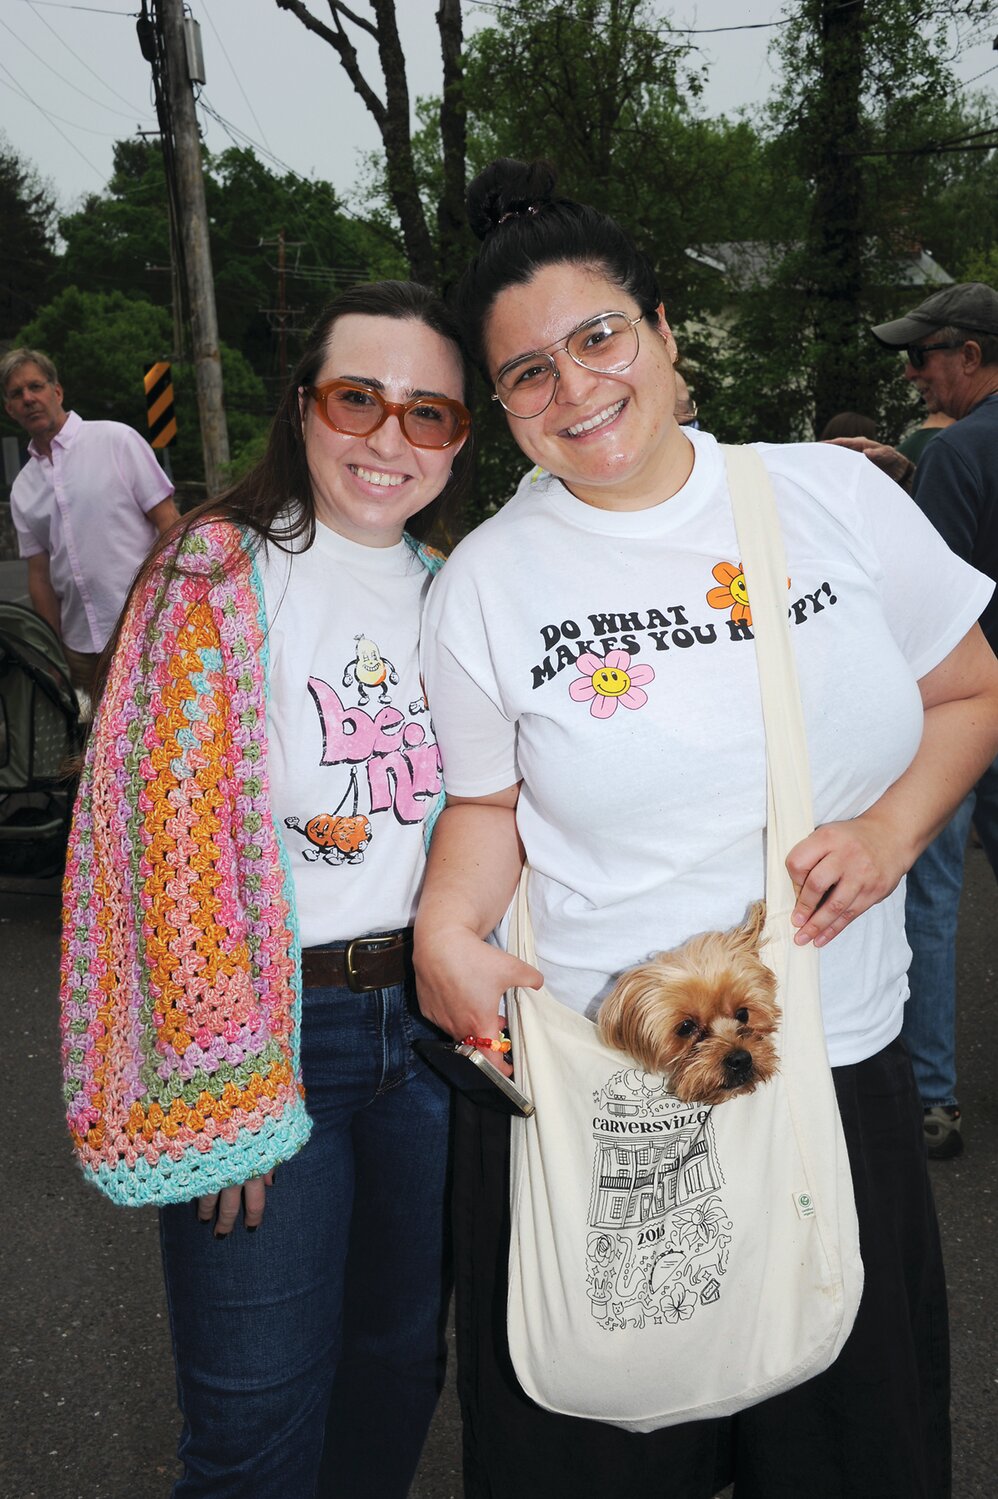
[(738, 1063)]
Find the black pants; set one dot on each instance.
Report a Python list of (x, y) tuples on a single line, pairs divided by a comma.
[(873, 1426)]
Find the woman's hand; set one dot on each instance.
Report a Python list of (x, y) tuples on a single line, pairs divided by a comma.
[(475, 862), (841, 870), (461, 979), (253, 1196)]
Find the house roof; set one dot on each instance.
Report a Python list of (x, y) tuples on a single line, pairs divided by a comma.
[(746, 263)]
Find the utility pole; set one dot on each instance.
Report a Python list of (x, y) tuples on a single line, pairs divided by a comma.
[(189, 183), (280, 315)]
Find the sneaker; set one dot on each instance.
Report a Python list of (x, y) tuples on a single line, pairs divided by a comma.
[(942, 1132)]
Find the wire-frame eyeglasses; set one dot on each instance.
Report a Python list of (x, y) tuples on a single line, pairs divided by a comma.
[(607, 344)]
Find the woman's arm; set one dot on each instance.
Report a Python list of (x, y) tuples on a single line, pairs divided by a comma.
[(474, 865), (842, 869)]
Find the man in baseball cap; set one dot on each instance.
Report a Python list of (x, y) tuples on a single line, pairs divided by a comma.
[(951, 347), (970, 307)]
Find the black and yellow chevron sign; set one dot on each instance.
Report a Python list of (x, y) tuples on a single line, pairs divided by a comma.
[(159, 405)]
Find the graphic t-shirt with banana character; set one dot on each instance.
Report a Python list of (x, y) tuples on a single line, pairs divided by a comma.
[(354, 766)]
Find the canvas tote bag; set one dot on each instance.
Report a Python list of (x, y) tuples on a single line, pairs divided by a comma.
[(671, 1262)]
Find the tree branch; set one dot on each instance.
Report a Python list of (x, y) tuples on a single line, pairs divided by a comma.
[(340, 41), (392, 119), (336, 5)]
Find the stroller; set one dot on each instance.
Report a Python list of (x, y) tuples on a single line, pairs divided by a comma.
[(39, 734)]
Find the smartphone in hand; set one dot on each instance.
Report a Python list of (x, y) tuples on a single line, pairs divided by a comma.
[(469, 1070)]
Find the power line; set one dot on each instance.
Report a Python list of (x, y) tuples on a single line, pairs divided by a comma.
[(235, 75), (83, 63), (714, 30), (240, 137), (513, 8), (240, 140), (62, 77), (979, 75), (97, 10), (234, 130), (28, 99), (107, 135)]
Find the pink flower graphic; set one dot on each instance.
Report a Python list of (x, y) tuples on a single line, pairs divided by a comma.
[(605, 683)]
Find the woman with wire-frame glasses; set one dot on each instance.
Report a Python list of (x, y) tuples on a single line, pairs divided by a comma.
[(590, 658), (247, 851)]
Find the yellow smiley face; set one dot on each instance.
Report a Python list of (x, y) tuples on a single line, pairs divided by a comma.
[(738, 590), (610, 681)]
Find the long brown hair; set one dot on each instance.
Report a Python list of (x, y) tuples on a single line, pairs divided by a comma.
[(260, 500)]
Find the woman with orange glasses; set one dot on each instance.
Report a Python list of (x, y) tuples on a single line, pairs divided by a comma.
[(248, 847)]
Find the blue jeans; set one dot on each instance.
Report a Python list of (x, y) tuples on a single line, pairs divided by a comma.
[(310, 1353), (932, 905)]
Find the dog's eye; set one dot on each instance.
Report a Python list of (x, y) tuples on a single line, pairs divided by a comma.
[(686, 1028), (742, 1016)]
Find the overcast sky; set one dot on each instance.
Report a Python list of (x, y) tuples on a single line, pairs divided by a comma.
[(72, 79)]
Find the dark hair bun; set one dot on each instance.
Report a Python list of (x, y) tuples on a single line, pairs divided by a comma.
[(508, 188)]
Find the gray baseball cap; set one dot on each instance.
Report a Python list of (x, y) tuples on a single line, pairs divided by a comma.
[(971, 306)]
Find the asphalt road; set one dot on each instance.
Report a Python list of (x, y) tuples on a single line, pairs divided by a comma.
[(88, 1399)]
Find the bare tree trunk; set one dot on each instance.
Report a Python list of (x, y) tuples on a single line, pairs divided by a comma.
[(392, 118), (395, 133), (451, 224), (836, 239)]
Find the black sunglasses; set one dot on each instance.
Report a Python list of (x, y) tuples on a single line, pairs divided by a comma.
[(916, 352)]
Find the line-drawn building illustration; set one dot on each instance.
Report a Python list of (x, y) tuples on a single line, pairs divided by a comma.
[(637, 1181)]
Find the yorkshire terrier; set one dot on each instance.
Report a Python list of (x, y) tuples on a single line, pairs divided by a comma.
[(702, 1015)]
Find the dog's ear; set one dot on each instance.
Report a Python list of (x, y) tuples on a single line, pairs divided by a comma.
[(748, 936)]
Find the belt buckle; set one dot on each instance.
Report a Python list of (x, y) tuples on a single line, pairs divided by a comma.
[(354, 981)]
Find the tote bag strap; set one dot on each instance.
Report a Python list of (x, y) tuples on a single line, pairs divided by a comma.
[(790, 816)]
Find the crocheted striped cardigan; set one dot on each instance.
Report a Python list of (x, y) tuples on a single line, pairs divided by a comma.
[(181, 965)]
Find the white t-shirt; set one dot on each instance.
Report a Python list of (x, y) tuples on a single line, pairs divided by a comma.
[(354, 767), (605, 659)]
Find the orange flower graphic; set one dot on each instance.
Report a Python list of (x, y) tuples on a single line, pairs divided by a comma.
[(732, 593)]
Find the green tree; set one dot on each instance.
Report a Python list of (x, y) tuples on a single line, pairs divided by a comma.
[(103, 342), (27, 213), (856, 115), (953, 186), (605, 91), (119, 240), (249, 206), (982, 266)]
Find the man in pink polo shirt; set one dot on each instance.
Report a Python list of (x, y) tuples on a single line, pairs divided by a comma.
[(87, 507)]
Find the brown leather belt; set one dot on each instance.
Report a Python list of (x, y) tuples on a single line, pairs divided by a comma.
[(365, 964)]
